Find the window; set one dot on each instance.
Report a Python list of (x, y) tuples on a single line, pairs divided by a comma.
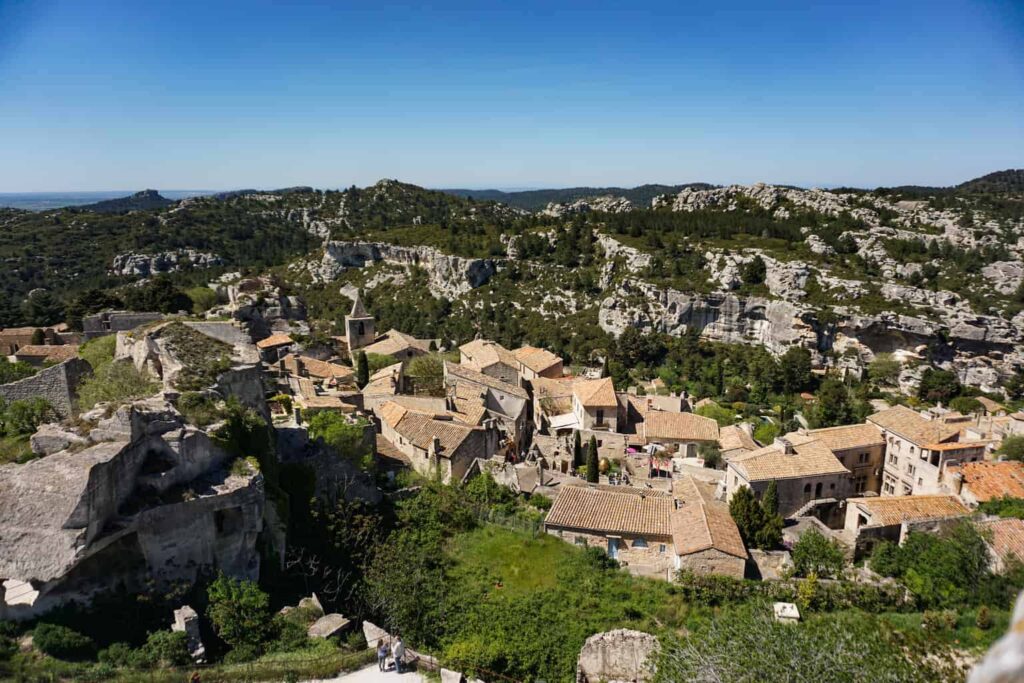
[(832, 487), (600, 415), (910, 469), (907, 489), (863, 458), (860, 483), (661, 548), (580, 540), (817, 490), (640, 543), (892, 459), (362, 330)]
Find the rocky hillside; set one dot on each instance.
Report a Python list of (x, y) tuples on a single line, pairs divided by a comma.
[(847, 274), (140, 201)]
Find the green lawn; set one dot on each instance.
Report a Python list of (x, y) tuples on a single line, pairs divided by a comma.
[(520, 562)]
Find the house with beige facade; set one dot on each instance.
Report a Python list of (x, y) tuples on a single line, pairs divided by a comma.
[(399, 345), (803, 467), (861, 449), (917, 450), (679, 433), (594, 405), (470, 391)]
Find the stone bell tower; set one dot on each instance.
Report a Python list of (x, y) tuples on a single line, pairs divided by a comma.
[(360, 327)]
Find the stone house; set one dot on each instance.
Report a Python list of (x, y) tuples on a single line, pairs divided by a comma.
[(535, 362), (491, 359), (12, 339), (275, 347), (705, 539), (383, 386), (399, 345), (595, 405), (861, 449), (736, 440), (40, 355), (680, 433), (803, 467), (552, 398), (980, 482), (917, 449), (111, 322), (885, 518), (433, 445), (631, 525), (990, 407), (321, 371), (469, 390)]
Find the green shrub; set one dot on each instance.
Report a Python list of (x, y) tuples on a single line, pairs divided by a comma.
[(118, 654), (25, 416), (163, 649), (62, 642), (815, 554), (198, 408), (984, 618), (240, 613), (290, 635), (944, 620), (203, 299), (12, 372)]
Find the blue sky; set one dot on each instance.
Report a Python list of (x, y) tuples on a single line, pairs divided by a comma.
[(101, 95)]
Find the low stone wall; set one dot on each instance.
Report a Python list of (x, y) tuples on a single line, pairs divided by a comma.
[(56, 384)]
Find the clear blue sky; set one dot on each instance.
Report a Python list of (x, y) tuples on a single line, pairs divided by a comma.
[(103, 95)]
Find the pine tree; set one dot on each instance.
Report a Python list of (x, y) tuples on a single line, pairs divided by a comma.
[(577, 450), (362, 369), (593, 466)]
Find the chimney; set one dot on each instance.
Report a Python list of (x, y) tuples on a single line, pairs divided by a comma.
[(785, 444), (435, 445)]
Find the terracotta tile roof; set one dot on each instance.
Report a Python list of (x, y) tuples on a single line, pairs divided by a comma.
[(461, 372), (912, 426), (387, 371), (810, 458), (393, 341), (1006, 537), (849, 436), (276, 339), (320, 369), (324, 402), (661, 424), (893, 510), (545, 387), (990, 405), (536, 359), (701, 522), (468, 411), (596, 393), (56, 353), (421, 429), (483, 353), (955, 445), (384, 382), (587, 509), (989, 480), (733, 438), (633, 490)]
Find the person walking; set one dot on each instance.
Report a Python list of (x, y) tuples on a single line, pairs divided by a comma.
[(382, 655), (398, 652)]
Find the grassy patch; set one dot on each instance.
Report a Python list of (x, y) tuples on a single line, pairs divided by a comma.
[(521, 562), (966, 635), (15, 449)]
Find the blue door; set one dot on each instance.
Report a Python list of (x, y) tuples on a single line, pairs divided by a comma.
[(613, 548)]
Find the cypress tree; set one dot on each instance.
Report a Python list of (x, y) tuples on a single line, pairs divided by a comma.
[(577, 450), (362, 369), (593, 466), (770, 502)]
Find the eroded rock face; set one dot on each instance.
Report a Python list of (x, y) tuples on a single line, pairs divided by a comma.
[(450, 276), (1005, 276), (605, 203), (144, 265), (620, 656)]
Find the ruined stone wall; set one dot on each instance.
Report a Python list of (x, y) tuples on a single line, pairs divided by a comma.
[(713, 561), (102, 324), (56, 384)]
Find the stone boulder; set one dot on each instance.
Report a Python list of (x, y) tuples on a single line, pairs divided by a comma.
[(52, 438), (187, 621), (621, 655), (327, 626)]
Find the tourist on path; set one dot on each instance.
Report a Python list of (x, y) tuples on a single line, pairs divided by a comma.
[(398, 651), (382, 655)]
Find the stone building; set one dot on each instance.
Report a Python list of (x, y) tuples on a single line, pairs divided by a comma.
[(885, 518), (704, 536), (57, 384), (917, 450), (469, 390), (680, 433), (399, 345), (632, 525), (861, 449), (535, 362), (360, 327), (595, 405), (110, 322), (436, 444), (491, 359), (980, 482), (803, 467), (736, 440)]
